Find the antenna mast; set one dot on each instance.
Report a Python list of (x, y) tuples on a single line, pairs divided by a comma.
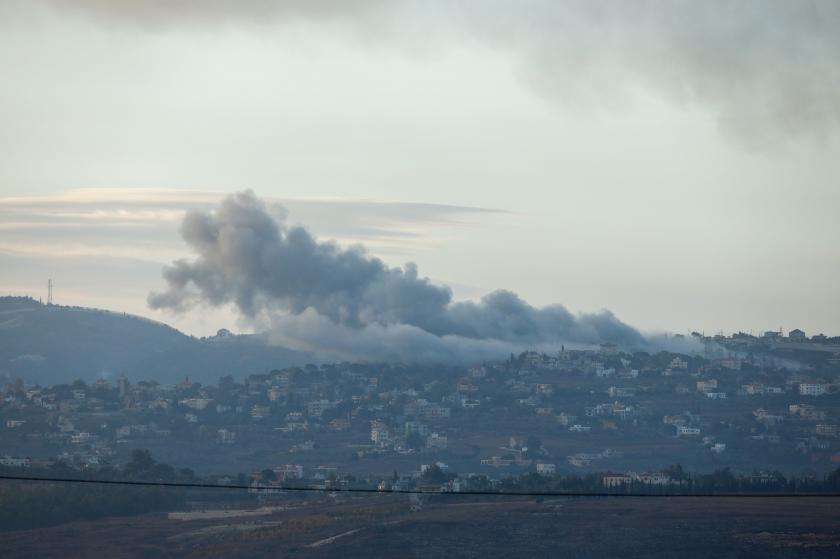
[(49, 292)]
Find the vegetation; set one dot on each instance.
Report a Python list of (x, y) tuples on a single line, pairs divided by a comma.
[(38, 504)]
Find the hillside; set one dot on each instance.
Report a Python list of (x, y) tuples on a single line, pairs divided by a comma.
[(52, 343)]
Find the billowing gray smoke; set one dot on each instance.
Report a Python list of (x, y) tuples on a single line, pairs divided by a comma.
[(318, 296)]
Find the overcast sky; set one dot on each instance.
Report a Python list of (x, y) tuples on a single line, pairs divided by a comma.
[(677, 163)]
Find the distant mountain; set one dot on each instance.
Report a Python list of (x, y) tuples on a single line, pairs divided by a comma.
[(52, 344)]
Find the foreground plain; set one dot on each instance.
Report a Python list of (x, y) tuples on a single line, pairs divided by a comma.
[(454, 526)]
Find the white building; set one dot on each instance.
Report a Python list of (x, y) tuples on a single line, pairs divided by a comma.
[(196, 403), (226, 436), (437, 442), (811, 389), (416, 427), (685, 431), (654, 478), (379, 433), (289, 471), (577, 428), (617, 480), (14, 462), (81, 437), (678, 363), (318, 407)]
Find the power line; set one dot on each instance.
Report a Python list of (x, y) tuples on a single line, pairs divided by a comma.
[(785, 495)]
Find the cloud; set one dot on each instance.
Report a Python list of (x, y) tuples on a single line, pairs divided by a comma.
[(163, 14), (143, 223), (321, 297), (766, 70)]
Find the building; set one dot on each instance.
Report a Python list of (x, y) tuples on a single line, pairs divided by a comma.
[(827, 430), (289, 471), (732, 363), (434, 411), (436, 442), (654, 478), (753, 389), (379, 433), (14, 462), (608, 349), (496, 462), (317, 408), (81, 437), (811, 389), (616, 480), (707, 385), (416, 427), (195, 403), (685, 431), (565, 419), (260, 412), (620, 392), (546, 469), (675, 420), (797, 335), (226, 436), (678, 363), (339, 424), (123, 386)]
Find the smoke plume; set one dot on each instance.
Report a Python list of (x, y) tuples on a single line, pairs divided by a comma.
[(318, 296)]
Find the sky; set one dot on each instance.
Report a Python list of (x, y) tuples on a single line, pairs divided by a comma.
[(675, 163)]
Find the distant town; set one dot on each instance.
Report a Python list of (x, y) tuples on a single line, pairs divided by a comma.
[(750, 404)]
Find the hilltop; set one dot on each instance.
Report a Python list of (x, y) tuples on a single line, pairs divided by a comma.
[(54, 343)]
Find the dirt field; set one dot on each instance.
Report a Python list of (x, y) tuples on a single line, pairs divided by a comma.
[(452, 526)]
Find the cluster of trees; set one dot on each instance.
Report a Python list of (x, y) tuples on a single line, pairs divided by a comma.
[(25, 504), (682, 483)]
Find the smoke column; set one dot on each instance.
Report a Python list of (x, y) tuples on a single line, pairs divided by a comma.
[(336, 301)]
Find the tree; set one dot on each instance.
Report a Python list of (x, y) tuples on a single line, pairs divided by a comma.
[(414, 440), (480, 483), (534, 445), (141, 461), (268, 475), (434, 474), (832, 481), (226, 382), (675, 472)]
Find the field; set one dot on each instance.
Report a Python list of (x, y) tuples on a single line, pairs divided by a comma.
[(456, 526)]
